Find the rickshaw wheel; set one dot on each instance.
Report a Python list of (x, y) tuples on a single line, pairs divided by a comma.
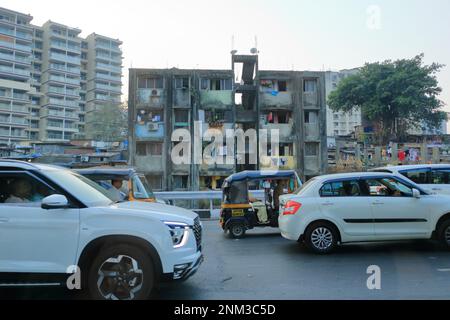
[(237, 230)]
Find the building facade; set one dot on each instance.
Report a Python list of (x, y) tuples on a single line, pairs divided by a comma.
[(51, 79), (340, 123), (163, 100)]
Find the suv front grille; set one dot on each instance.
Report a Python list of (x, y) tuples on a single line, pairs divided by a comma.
[(198, 232)]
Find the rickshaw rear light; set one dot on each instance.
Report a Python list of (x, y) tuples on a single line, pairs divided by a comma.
[(291, 208)]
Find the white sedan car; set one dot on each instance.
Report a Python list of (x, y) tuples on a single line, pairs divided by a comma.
[(363, 207), (434, 178)]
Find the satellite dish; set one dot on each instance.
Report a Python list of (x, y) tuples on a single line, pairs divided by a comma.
[(254, 51)]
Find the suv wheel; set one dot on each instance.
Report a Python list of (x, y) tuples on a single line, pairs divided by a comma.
[(237, 230), (121, 272), (444, 233), (321, 238)]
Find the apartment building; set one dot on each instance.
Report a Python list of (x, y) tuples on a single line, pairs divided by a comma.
[(163, 100), (340, 123), (51, 79), (16, 42)]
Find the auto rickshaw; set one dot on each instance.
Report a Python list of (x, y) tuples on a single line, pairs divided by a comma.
[(251, 199), (135, 186)]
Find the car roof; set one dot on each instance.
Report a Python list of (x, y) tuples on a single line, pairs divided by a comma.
[(412, 167), (23, 165), (244, 175), (107, 171), (351, 175)]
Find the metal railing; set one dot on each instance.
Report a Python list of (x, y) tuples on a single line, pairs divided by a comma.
[(212, 212)]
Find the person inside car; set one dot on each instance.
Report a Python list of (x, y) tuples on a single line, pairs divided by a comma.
[(21, 192), (115, 190)]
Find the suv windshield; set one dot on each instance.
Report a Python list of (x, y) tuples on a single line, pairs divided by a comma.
[(85, 190)]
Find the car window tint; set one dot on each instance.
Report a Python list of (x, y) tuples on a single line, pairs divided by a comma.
[(419, 176), (440, 176), (387, 187), (22, 189), (349, 188)]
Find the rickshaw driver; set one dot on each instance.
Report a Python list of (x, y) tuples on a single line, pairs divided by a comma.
[(260, 207)]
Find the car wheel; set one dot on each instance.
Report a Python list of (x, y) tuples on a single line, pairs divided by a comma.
[(321, 238), (237, 230), (121, 272), (444, 234)]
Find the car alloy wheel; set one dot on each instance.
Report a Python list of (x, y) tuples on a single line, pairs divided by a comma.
[(447, 235), (120, 278), (322, 238)]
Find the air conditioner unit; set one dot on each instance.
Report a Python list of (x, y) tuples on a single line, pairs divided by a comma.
[(152, 127), (155, 93)]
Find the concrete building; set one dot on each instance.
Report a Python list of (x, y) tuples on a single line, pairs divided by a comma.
[(16, 41), (51, 79), (163, 100), (340, 123)]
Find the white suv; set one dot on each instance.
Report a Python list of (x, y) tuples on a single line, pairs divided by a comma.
[(53, 221), (363, 207), (432, 177)]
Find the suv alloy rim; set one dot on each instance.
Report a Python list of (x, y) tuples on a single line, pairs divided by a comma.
[(120, 278), (322, 238), (447, 235)]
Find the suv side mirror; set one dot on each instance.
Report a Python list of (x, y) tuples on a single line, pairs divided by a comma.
[(55, 201), (416, 193)]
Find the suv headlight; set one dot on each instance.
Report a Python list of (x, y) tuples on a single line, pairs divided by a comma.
[(179, 232)]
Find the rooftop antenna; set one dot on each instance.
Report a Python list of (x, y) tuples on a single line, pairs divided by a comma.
[(254, 50), (233, 50)]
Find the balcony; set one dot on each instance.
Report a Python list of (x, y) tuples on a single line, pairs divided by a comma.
[(220, 98), (311, 100), (109, 67), (106, 87), (278, 163), (149, 131), (151, 97), (109, 77), (65, 68), (285, 130), (276, 100), (13, 58), (312, 132), (16, 46), (64, 80), (15, 71), (149, 163), (65, 58), (62, 102)]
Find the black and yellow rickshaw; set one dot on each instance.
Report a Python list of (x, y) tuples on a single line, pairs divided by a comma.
[(251, 199)]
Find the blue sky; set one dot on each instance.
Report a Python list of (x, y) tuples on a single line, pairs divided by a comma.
[(299, 34)]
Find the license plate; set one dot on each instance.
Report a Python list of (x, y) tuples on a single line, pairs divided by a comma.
[(237, 213)]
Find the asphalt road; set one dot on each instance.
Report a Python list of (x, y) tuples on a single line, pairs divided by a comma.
[(266, 266)]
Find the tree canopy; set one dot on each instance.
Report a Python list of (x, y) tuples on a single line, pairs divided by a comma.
[(109, 123), (396, 95)]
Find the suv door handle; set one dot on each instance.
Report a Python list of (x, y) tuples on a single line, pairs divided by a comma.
[(4, 220), (378, 203), (328, 204)]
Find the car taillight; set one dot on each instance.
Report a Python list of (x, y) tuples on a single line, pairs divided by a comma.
[(291, 208)]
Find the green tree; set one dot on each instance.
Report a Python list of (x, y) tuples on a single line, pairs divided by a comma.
[(396, 95), (109, 123)]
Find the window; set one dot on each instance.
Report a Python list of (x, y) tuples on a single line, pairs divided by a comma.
[(149, 148), (309, 86), (151, 83), (311, 116), (311, 149), (419, 176), (386, 187), (216, 84), (180, 182), (22, 189), (155, 182), (282, 86), (440, 176), (349, 188), (182, 116), (182, 83)]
